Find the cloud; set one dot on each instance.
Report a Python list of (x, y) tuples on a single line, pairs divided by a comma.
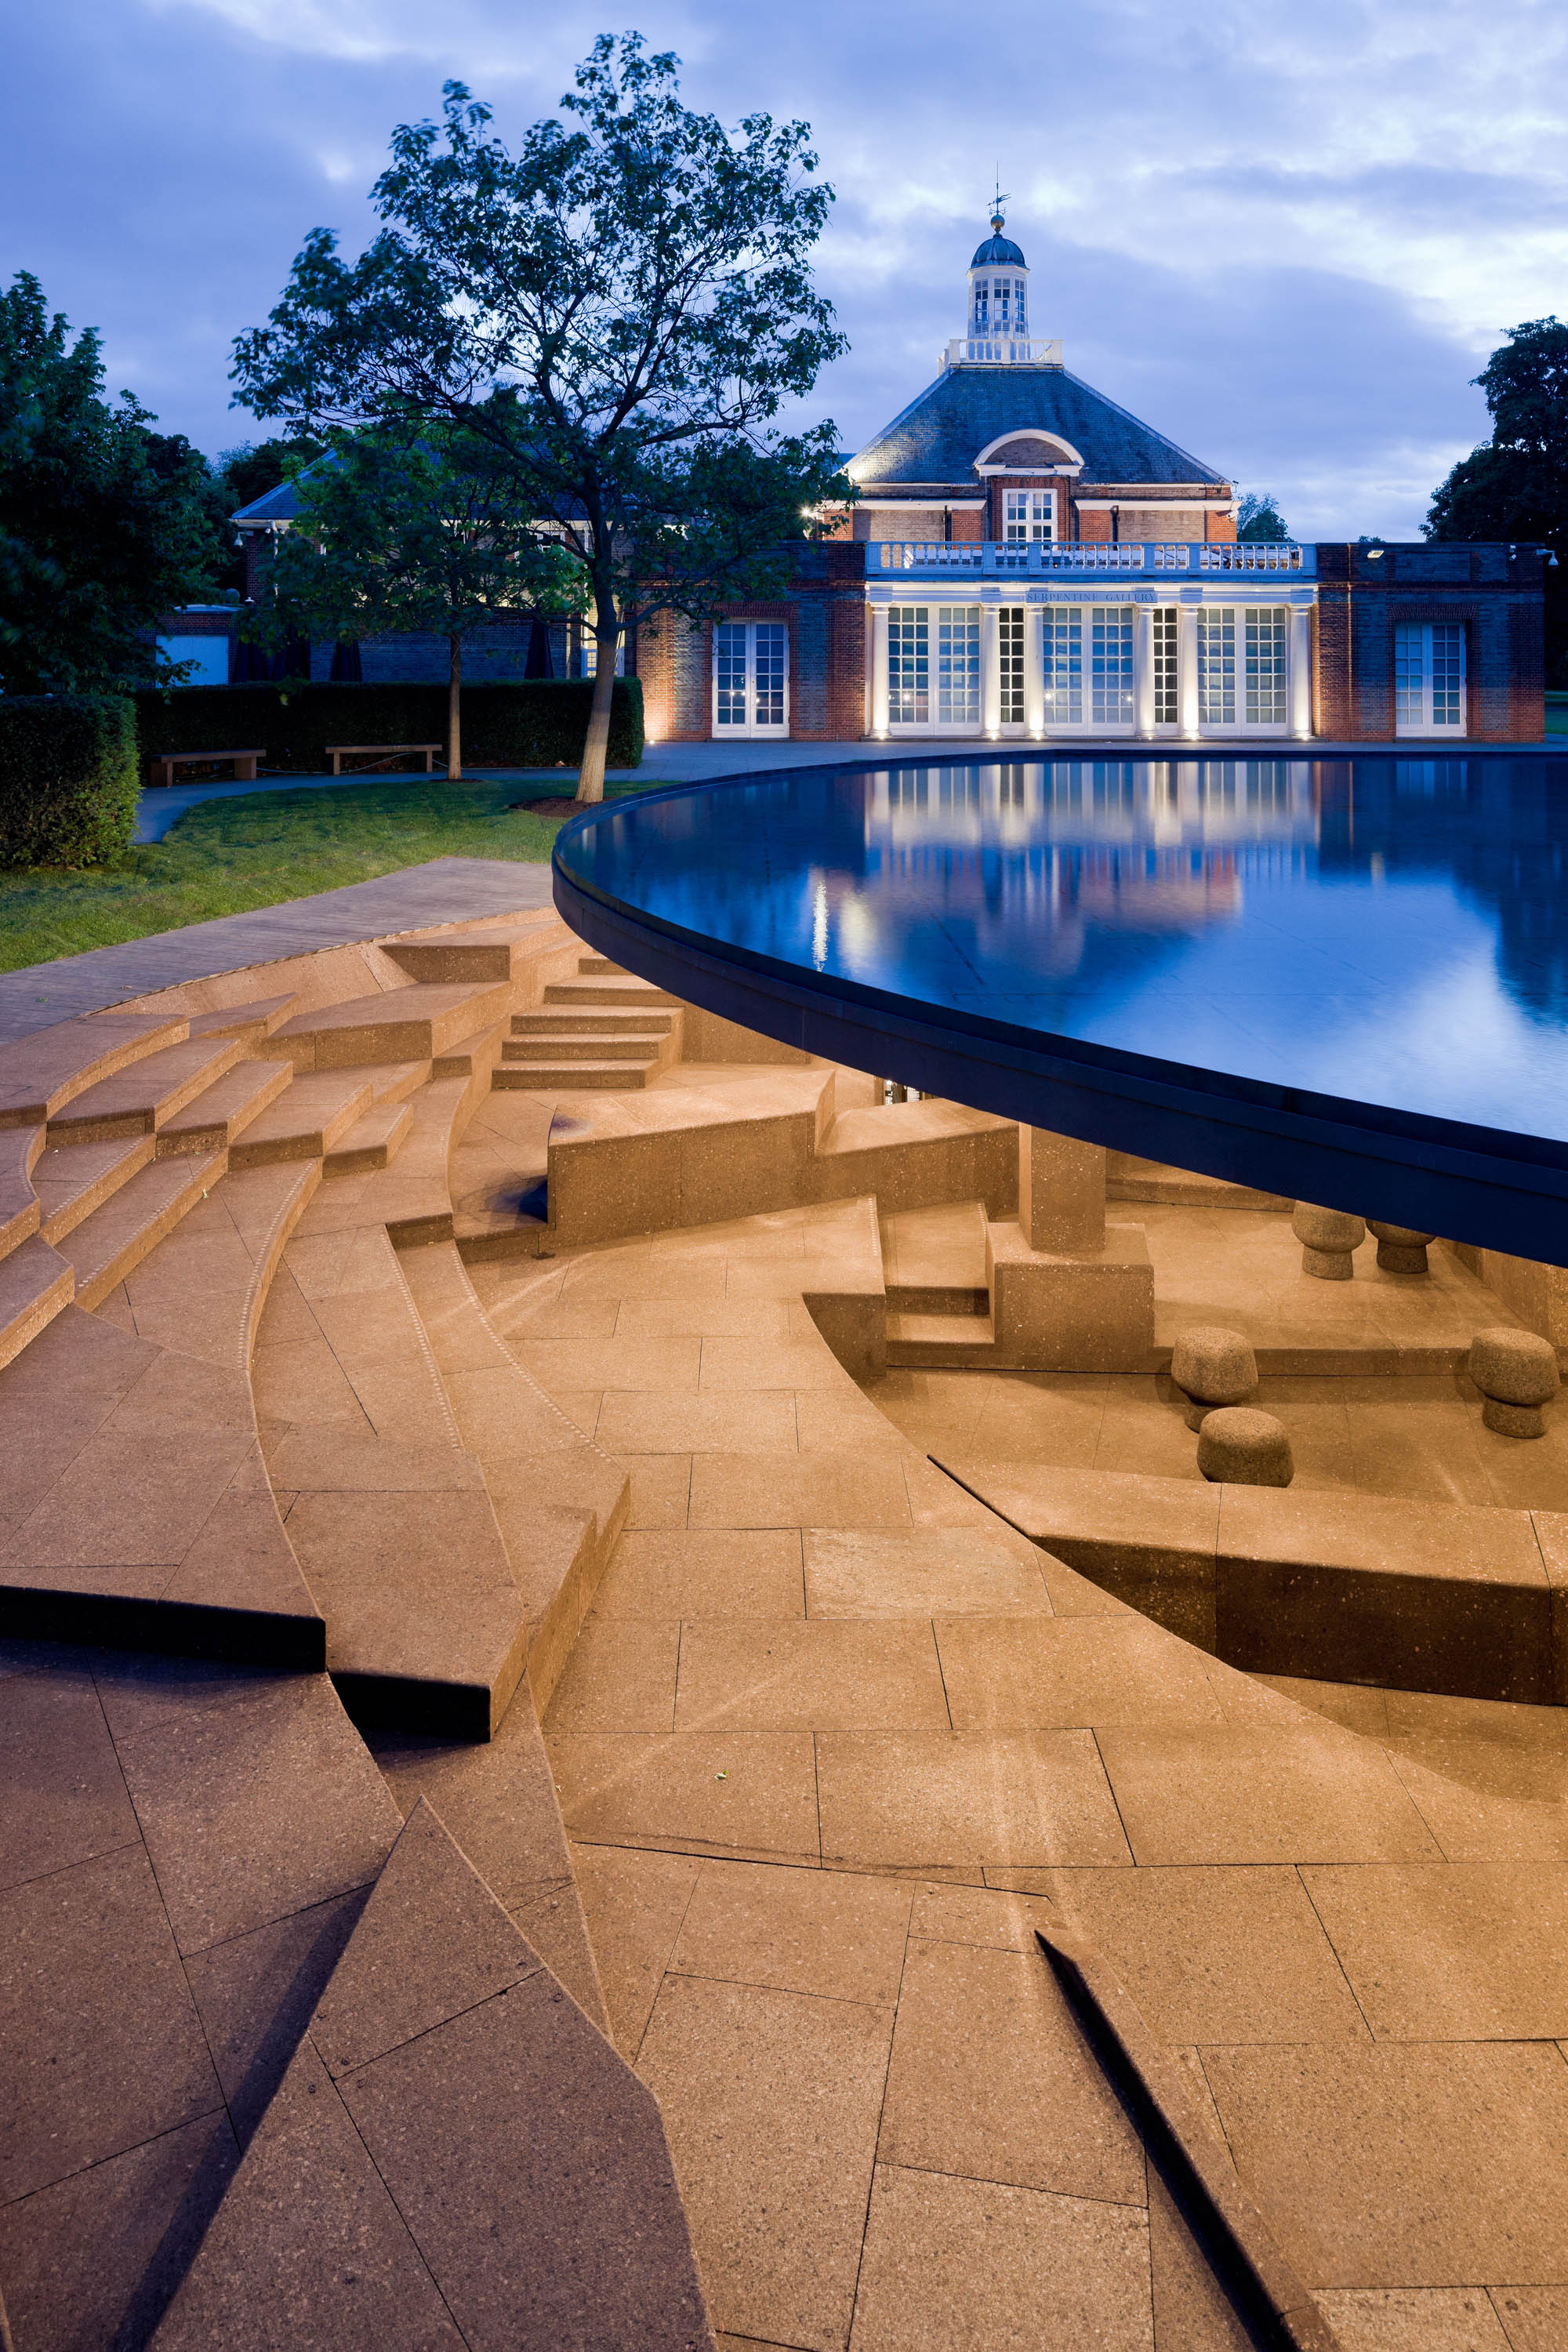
[(1287, 240)]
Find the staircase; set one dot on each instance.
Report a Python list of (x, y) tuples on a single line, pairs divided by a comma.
[(938, 1294), (606, 1029)]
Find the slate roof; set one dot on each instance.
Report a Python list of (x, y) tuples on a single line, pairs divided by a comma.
[(280, 505), (942, 432)]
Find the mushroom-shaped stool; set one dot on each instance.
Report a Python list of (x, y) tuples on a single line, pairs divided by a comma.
[(1212, 1366), (1244, 1447), (1399, 1250), (1515, 1373), (1327, 1237)]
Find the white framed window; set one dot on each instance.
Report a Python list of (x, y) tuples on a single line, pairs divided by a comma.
[(1110, 664), (750, 677), (1217, 664), (1429, 689), (909, 665), (208, 657), (1029, 514), (1264, 656), (958, 666), (1062, 627), (1010, 656), (1166, 705)]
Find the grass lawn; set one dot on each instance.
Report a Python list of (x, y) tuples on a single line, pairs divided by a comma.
[(225, 856)]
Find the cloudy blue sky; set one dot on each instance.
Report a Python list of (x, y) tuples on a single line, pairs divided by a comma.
[(1285, 236)]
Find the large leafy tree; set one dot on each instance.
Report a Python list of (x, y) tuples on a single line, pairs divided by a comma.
[(404, 531), (1257, 517), (1515, 486), (104, 524), (619, 312)]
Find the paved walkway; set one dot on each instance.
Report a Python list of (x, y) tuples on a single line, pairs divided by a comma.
[(444, 890)]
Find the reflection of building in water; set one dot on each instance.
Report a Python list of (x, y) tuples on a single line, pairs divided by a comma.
[(1163, 804)]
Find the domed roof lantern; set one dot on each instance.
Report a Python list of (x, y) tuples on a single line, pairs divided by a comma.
[(998, 288)]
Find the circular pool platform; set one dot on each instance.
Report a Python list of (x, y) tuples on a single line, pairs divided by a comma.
[(1345, 981)]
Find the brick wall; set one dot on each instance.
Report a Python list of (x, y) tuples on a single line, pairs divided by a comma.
[(1493, 594)]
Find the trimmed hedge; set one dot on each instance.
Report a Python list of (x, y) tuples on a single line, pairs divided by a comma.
[(67, 778), (525, 723)]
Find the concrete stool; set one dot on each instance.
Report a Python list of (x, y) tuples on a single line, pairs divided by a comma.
[(1515, 1373), (1399, 1250), (1327, 1237), (1212, 1366), (1244, 1447)]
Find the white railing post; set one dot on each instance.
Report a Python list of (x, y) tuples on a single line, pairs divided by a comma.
[(879, 671), (1300, 671)]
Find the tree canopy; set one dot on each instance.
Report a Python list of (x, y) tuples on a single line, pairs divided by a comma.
[(619, 312), (104, 524), (404, 529), (1257, 517), (1515, 486)]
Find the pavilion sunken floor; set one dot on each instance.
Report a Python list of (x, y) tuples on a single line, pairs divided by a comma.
[(516, 1752)]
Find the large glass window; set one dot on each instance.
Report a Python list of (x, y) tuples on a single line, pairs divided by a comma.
[(1027, 514), (1063, 628), (1010, 652), (1266, 705), (909, 665), (1110, 662), (958, 666), (1217, 664), (1428, 677), (1166, 707)]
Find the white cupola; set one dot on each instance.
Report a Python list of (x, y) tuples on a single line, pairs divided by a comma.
[(998, 287)]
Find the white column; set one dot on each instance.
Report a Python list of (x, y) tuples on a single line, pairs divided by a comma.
[(879, 671), (1299, 672), (1187, 671), (1144, 668), (1033, 671), (990, 670)]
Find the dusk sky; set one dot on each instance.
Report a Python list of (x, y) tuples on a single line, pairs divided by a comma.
[(1286, 237)]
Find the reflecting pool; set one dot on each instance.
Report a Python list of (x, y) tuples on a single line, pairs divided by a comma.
[(1384, 930)]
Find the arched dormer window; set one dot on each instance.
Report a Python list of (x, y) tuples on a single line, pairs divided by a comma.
[(1028, 449)]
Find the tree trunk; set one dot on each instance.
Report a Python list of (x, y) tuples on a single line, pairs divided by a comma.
[(454, 711), (591, 775)]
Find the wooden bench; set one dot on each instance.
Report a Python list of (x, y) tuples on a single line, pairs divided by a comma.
[(165, 763), (380, 755)]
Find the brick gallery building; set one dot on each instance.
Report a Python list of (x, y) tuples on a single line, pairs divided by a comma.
[(1027, 562)]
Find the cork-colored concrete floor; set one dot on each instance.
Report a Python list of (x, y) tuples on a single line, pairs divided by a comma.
[(830, 1736)]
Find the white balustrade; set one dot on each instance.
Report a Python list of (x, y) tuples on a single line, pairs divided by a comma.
[(1042, 557), (1003, 350)]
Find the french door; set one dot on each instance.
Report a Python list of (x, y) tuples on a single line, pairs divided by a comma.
[(750, 678), (1429, 677)]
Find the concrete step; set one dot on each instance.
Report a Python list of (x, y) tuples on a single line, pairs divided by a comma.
[(394, 1024), (937, 1341), (937, 1298), (373, 1142), (570, 1077), (496, 953), (72, 1179), (43, 1073), (305, 1122), (580, 1019), (563, 1046), (394, 1081), (110, 1243), (591, 964), (145, 1097), (479, 1052), (222, 1112), (1128, 1178), (35, 1284), (248, 1023), (21, 1148), (608, 990)]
